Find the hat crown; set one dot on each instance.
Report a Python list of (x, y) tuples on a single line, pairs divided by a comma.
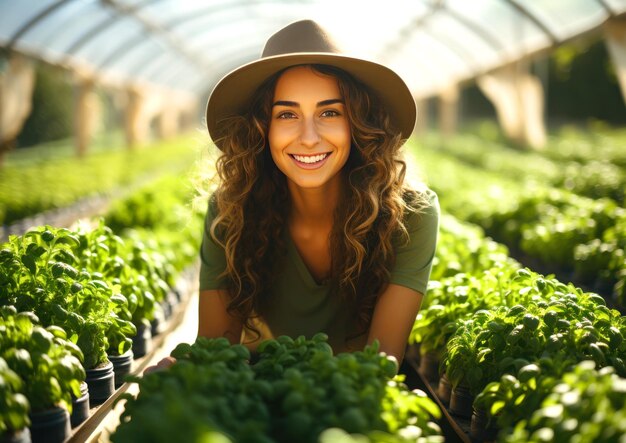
[(301, 36)]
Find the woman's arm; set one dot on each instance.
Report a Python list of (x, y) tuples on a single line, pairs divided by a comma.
[(393, 319), (214, 320)]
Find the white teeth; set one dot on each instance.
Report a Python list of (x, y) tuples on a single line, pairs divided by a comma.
[(310, 158)]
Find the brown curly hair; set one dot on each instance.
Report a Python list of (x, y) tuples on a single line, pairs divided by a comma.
[(252, 204)]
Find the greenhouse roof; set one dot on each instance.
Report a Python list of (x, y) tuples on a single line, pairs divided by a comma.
[(190, 44)]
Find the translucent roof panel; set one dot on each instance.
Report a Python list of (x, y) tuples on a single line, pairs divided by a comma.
[(17, 14), (190, 44), (61, 28), (618, 6), (566, 17)]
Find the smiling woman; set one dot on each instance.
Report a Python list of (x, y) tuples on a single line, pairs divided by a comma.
[(312, 227), (309, 132)]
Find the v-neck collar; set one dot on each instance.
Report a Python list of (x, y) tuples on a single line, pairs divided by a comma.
[(302, 267)]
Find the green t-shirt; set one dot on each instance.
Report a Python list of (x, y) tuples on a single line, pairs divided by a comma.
[(300, 306)]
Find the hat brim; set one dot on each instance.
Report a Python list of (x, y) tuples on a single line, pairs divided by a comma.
[(232, 94)]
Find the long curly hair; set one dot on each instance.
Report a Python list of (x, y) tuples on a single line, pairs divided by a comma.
[(252, 204)]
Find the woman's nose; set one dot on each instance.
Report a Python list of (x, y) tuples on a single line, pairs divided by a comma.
[(310, 135)]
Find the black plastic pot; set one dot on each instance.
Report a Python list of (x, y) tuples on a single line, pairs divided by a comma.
[(50, 426), (80, 406), (167, 308), (429, 366), (173, 300), (157, 324), (21, 436), (444, 390), (481, 429), (101, 383), (461, 401), (178, 294), (143, 340), (122, 365)]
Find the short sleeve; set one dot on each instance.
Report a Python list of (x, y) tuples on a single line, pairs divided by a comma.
[(414, 260), (212, 258)]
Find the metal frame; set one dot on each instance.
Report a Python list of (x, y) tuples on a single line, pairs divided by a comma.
[(533, 18), (155, 29), (150, 65), (35, 20), (184, 20), (187, 55), (607, 7), (85, 38)]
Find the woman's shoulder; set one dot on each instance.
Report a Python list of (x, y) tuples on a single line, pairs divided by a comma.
[(422, 207), (420, 199)]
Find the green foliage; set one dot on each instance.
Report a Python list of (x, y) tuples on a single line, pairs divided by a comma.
[(38, 273), (585, 405), (14, 406), (552, 226), (26, 190), (52, 115), (48, 365), (543, 319), (294, 391)]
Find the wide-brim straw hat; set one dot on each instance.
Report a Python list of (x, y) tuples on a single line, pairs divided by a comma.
[(306, 42)]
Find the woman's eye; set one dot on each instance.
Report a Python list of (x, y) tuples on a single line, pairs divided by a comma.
[(286, 115), (330, 113)]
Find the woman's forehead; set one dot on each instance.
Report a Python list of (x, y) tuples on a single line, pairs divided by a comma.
[(304, 81)]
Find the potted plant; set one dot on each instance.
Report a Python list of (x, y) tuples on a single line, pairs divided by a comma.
[(14, 407), (585, 405), (50, 370)]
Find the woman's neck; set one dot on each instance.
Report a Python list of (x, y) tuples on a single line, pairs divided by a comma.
[(314, 207)]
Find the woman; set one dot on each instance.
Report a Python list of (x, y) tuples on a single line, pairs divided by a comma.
[(312, 227)]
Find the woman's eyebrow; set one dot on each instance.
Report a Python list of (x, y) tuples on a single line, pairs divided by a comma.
[(330, 101), (286, 103)]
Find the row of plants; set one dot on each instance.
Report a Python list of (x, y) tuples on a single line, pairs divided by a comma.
[(584, 404), (580, 239), (595, 177), (289, 390), (455, 290), (107, 293), (26, 190), (480, 329), (584, 146)]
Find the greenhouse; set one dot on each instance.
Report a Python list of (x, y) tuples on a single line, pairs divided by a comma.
[(313, 221)]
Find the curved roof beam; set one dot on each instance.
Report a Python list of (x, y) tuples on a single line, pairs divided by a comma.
[(224, 66), (533, 18), (438, 6), (482, 32), (30, 24), (154, 64), (103, 25), (452, 47), (156, 30), (204, 12), (91, 33), (151, 62), (605, 5)]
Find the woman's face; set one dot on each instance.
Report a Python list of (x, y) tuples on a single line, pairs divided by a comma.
[(309, 133)]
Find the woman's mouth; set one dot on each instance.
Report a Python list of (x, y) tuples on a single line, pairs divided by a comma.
[(310, 161)]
